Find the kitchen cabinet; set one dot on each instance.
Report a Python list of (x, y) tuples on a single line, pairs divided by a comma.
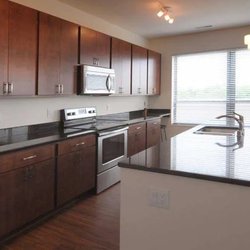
[(154, 73), (121, 63), (24, 195), (136, 138), (139, 70), (18, 49), (153, 132), (58, 55), (94, 48), (76, 170)]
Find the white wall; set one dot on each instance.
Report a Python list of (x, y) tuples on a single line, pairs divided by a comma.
[(190, 43), (201, 215), (25, 111)]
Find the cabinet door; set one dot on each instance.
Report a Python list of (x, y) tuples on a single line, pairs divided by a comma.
[(75, 174), (153, 132), (49, 55), (3, 45), (22, 49), (154, 73), (68, 56), (95, 48), (139, 70), (121, 63), (13, 213), (40, 191), (136, 138)]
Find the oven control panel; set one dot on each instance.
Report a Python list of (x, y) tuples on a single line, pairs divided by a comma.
[(79, 113)]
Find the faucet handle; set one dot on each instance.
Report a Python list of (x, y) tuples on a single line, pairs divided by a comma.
[(241, 117)]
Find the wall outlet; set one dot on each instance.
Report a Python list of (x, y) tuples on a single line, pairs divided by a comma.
[(158, 198)]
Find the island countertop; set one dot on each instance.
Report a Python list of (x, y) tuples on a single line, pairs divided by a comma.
[(209, 157)]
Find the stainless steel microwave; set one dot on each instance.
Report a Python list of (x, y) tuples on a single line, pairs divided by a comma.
[(95, 80)]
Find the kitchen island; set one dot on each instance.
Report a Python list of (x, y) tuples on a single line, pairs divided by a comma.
[(196, 199)]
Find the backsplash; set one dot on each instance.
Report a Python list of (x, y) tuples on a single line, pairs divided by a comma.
[(34, 110)]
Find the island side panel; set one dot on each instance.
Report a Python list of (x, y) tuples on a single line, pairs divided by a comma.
[(200, 215)]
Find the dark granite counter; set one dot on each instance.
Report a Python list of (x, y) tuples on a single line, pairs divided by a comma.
[(27, 136), (222, 158)]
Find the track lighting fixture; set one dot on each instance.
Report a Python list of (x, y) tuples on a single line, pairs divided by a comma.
[(165, 11)]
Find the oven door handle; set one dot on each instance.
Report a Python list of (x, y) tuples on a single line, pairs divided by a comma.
[(113, 131)]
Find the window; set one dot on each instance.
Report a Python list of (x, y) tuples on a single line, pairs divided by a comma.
[(206, 85)]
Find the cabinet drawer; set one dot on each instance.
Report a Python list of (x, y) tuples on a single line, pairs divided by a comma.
[(138, 127), (76, 144), (10, 161)]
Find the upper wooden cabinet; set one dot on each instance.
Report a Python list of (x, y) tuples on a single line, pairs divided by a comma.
[(121, 63), (154, 73), (94, 48), (58, 53), (18, 49), (139, 70)]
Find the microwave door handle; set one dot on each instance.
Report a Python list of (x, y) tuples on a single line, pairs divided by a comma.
[(108, 84)]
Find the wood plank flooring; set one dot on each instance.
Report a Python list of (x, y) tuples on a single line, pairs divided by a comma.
[(91, 224)]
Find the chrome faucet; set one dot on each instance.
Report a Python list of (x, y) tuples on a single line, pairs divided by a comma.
[(239, 119)]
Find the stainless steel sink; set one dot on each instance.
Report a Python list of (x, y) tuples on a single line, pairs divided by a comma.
[(210, 130)]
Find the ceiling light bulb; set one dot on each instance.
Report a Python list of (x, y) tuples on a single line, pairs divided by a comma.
[(171, 20), (160, 13), (167, 17), (247, 40)]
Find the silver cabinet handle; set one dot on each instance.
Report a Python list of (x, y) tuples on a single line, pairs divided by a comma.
[(58, 89), (79, 144), (61, 88), (139, 90), (95, 61), (138, 128), (29, 157), (120, 90), (10, 88), (108, 83), (5, 88)]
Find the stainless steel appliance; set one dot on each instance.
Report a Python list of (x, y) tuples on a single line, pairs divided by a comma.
[(111, 141), (95, 80), (112, 149)]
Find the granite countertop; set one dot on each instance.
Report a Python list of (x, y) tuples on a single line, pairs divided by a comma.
[(209, 157), (27, 136)]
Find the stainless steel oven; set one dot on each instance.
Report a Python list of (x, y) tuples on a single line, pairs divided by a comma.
[(112, 149)]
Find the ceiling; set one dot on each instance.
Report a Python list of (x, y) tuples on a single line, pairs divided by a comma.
[(139, 16)]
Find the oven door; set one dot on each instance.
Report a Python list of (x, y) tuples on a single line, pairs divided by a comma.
[(112, 148)]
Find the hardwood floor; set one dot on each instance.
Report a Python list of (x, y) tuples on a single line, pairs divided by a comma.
[(91, 224)]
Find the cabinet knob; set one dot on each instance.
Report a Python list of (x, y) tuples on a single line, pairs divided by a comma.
[(139, 90)]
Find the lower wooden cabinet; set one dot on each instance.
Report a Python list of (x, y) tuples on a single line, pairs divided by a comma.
[(25, 194), (153, 132), (136, 138), (76, 168)]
